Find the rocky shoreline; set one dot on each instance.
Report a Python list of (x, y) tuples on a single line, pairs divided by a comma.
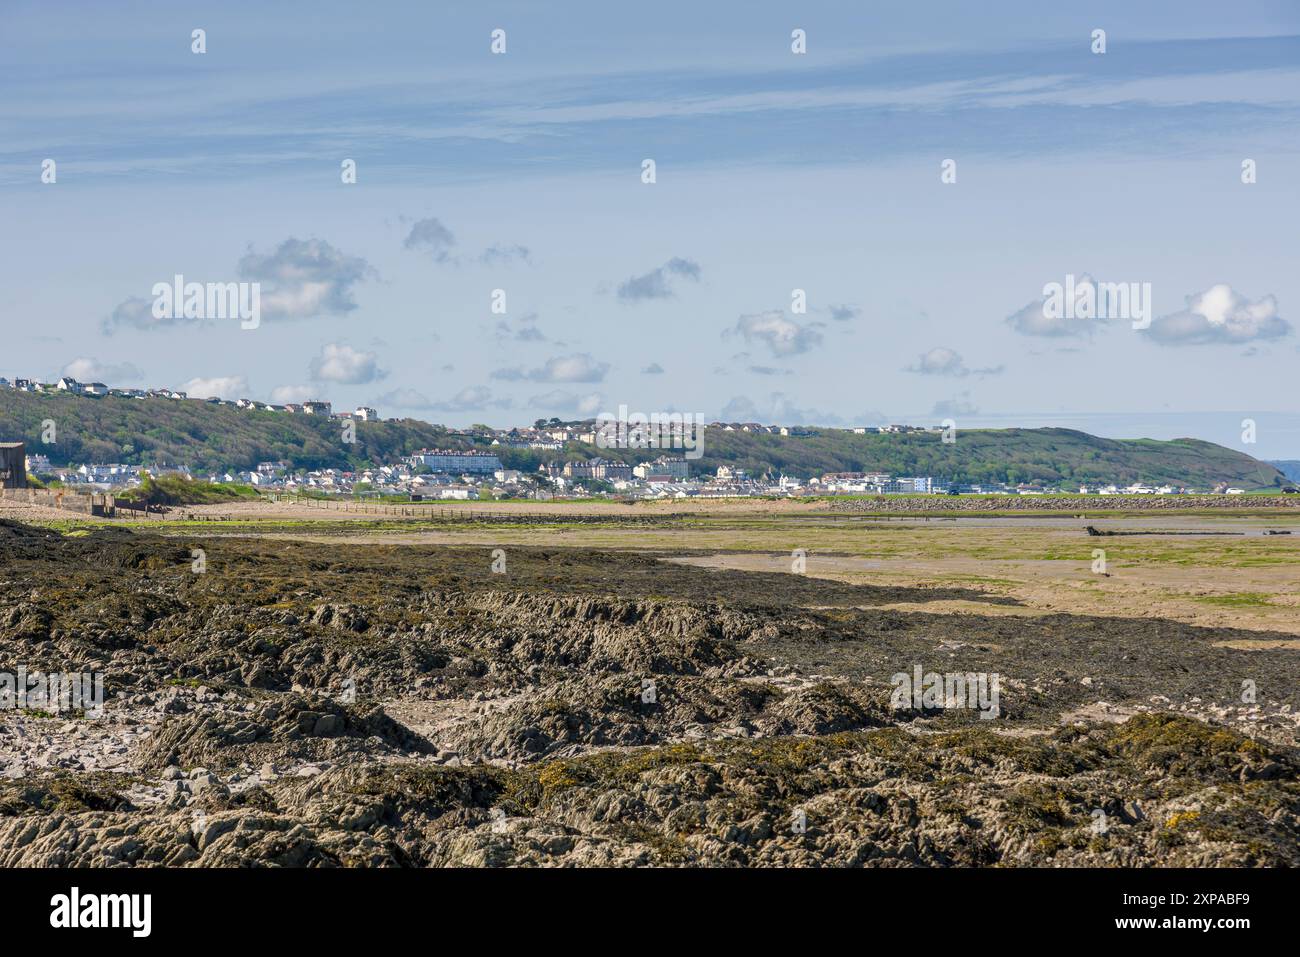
[(305, 704)]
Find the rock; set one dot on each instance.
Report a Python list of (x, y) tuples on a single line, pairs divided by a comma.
[(327, 725), (532, 693), (207, 783)]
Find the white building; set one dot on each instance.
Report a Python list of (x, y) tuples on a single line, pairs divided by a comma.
[(456, 462), (664, 467)]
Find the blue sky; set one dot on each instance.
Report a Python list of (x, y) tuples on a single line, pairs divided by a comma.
[(775, 172)]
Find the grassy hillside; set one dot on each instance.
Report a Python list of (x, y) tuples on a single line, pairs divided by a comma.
[(209, 438), (203, 436), (175, 490), (1008, 455)]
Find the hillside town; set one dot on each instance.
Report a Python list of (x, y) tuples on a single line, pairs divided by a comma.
[(479, 473), (542, 435), (474, 475)]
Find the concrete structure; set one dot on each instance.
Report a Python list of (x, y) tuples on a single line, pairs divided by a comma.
[(13, 465)]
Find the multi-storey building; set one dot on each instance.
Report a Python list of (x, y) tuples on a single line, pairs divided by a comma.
[(456, 462)]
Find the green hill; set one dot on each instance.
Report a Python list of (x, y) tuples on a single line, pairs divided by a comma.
[(211, 438), (1288, 467), (206, 437), (1053, 456)]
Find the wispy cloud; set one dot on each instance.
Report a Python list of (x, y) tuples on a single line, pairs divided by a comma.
[(474, 398), (942, 361), (658, 282), (579, 367), (778, 409), (270, 123), (431, 236), (559, 400)]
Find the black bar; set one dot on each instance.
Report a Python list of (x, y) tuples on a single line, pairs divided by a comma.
[(335, 906)]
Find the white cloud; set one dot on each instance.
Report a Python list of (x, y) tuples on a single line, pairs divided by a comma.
[(285, 394), (222, 387), (1220, 315), (1035, 318), (940, 361), (561, 401), (302, 279), (86, 369), (783, 336), (947, 362), (342, 363)]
